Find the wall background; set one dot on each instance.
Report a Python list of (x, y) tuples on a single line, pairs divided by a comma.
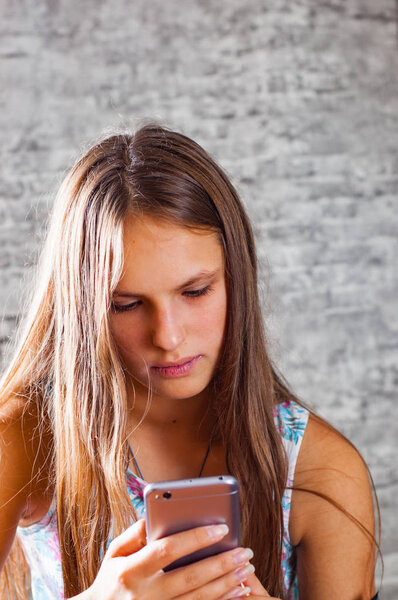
[(298, 100)]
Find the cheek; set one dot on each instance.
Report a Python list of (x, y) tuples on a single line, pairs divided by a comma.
[(210, 324), (125, 336)]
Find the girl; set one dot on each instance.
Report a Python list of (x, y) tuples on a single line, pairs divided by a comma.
[(143, 358)]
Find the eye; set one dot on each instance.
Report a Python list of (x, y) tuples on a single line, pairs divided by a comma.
[(118, 308), (200, 292)]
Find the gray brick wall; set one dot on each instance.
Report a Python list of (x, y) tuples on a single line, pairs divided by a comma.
[(298, 99)]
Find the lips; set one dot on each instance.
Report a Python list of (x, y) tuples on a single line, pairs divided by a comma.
[(176, 369), (177, 363)]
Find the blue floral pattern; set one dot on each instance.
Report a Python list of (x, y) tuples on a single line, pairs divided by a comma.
[(291, 420)]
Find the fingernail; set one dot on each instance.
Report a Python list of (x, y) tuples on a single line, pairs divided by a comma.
[(243, 556), (237, 592), (217, 532), (241, 574)]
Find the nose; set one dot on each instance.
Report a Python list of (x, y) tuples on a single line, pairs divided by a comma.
[(168, 331)]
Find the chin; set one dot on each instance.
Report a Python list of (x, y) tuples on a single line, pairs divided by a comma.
[(180, 394)]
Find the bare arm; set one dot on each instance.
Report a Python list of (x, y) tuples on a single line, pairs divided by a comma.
[(335, 555)]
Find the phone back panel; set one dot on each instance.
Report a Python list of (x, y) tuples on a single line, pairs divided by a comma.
[(174, 506)]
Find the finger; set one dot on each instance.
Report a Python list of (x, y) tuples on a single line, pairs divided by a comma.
[(237, 592), (158, 554), (130, 541), (217, 588), (234, 563), (256, 587)]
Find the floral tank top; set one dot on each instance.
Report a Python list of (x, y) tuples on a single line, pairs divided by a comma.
[(41, 543)]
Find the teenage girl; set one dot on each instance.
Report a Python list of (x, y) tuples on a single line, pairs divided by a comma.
[(143, 358)]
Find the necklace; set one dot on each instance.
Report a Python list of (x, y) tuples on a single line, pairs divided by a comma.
[(203, 463)]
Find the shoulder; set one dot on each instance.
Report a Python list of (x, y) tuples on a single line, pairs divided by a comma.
[(332, 506), (326, 448), (328, 464), (15, 437), (23, 422)]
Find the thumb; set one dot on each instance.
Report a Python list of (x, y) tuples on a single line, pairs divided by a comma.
[(130, 541)]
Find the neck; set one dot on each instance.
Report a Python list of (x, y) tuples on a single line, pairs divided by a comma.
[(167, 415)]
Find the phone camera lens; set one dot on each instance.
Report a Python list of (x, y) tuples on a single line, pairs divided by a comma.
[(167, 495)]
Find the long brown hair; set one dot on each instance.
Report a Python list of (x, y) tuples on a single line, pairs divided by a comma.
[(67, 355)]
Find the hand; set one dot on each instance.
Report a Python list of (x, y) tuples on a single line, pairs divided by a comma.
[(132, 569), (258, 592)]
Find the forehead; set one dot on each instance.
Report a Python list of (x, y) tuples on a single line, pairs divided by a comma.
[(159, 253)]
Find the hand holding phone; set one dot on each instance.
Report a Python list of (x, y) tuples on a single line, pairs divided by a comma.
[(131, 567)]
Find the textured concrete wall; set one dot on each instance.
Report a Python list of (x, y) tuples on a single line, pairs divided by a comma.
[(298, 99)]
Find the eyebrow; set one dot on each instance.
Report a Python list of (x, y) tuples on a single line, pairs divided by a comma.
[(195, 279)]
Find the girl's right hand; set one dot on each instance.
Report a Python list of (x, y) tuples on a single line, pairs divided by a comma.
[(132, 569)]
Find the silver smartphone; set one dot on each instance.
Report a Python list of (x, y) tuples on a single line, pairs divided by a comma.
[(174, 506)]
